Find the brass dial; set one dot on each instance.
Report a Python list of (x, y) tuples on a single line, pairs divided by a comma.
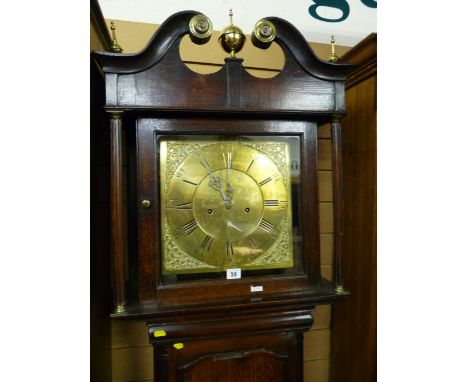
[(224, 204)]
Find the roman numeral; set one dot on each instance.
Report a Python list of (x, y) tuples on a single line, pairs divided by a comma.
[(267, 226), (253, 243), (207, 166), (189, 182), (250, 165), (187, 228), (227, 159), (271, 203), (229, 249), (274, 178), (265, 181), (184, 206), (190, 226), (206, 244)]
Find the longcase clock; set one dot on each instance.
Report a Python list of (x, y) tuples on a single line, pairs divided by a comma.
[(222, 258)]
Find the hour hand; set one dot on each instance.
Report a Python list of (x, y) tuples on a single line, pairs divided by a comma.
[(216, 182)]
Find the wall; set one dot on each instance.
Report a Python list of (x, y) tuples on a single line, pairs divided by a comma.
[(130, 352)]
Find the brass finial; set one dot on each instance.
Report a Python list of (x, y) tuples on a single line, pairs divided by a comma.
[(200, 28), (232, 38), (263, 34), (333, 57), (116, 48)]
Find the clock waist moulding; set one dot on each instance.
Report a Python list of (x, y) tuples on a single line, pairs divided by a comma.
[(211, 191)]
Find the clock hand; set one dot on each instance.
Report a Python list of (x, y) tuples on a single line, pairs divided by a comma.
[(215, 181), (230, 194), (230, 224), (229, 188), (216, 184)]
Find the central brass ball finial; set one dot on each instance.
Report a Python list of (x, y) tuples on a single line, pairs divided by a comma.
[(232, 38)]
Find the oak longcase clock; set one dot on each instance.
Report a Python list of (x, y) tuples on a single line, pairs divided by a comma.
[(215, 218)]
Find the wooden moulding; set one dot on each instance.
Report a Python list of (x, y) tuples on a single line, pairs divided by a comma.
[(138, 81), (241, 325), (117, 219), (338, 211), (364, 55)]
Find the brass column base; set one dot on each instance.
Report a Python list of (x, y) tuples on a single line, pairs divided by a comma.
[(119, 309), (339, 289)]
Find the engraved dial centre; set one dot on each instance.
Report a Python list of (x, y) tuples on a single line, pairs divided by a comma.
[(230, 210)]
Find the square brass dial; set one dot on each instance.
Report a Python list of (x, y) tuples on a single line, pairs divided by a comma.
[(225, 204)]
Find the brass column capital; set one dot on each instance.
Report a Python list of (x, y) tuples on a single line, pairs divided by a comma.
[(115, 114)]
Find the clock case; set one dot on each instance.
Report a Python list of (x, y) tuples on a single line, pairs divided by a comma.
[(153, 93)]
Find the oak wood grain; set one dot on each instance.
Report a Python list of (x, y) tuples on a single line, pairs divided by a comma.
[(354, 328)]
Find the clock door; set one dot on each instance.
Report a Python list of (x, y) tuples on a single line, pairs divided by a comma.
[(225, 207)]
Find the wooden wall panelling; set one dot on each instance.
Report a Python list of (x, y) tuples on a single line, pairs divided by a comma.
[(354, 325), (317, 370), (326, 248), (319, 348)]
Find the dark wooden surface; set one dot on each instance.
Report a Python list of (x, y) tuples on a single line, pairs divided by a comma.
[(354, 327), (254, 347), (229, 306), (252, 365), (305, 86), (365, 55)]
